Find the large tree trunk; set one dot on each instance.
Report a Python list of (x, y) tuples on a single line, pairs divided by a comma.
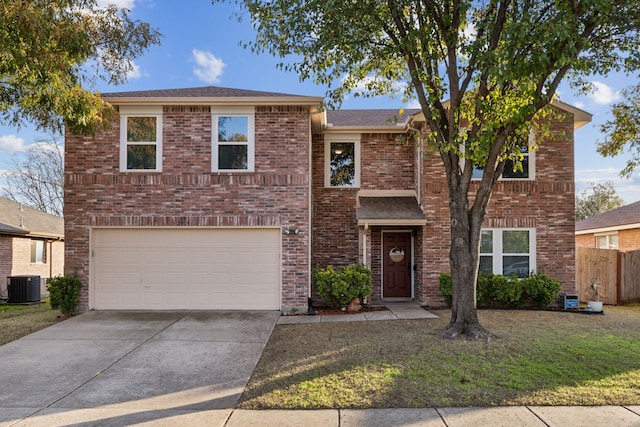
[(464, 262)]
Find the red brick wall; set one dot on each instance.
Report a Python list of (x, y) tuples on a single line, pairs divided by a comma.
[(385, 164), (546, 204), (6, 255), (628, 240), (187, 193), (586, 240), (15, 260)]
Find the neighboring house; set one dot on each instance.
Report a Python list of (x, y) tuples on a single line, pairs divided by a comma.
[(616, 229), (31, 244), (215, 198)]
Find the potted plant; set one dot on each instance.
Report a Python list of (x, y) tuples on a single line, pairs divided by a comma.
[(594, 294)]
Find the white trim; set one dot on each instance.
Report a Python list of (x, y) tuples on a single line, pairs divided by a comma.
[(140, 111), (608, 236), (344, 138), (498, 253), (233, 111), (608, 229), (531, 155)]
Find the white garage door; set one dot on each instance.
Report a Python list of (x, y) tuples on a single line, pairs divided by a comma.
[(202, 269)]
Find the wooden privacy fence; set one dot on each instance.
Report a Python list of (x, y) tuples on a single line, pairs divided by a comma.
[(618, 272)]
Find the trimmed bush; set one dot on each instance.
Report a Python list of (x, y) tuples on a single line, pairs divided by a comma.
[(64, 293), (497, 291), (540, 290), (446, 288), (338, 288), (501, 291)]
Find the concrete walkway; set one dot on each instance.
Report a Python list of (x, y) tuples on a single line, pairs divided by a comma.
[(396, 311)]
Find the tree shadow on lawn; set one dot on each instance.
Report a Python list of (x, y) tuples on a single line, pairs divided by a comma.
[(541, 358)]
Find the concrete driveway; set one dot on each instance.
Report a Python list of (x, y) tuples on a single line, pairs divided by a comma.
[(121, 368)]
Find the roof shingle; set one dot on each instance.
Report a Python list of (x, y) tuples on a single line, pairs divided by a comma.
[(629, 214), (389, 208), (17, 219), (382, 117), (198, 92)]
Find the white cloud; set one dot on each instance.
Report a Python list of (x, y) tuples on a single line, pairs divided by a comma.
[(208, 68), (12, 144), (135, 73), (127, 4), (603, 94)]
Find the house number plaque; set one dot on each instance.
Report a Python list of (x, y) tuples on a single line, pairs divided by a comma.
[(396, 254)]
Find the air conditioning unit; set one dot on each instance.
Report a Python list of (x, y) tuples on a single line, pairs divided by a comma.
[(23, 289)]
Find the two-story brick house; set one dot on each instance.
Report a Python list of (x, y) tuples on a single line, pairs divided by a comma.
[(214, 198)]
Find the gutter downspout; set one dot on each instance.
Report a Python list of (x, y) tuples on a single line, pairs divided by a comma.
[(364, 244)]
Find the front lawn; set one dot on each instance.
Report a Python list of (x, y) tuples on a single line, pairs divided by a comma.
[(17, 321), (540, 358)]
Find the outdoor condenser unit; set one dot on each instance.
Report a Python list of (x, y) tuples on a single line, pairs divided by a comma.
[(23, 289), (569, 301)]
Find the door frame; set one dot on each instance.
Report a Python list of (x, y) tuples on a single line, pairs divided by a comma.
[(411, 270)]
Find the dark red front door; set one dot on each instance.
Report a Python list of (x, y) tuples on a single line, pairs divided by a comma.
[(396, 265)]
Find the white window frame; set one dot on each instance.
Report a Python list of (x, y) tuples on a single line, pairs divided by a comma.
[(38, 252), (608, 238), (341, 138), (233, 111), (498, 252), (140, 111), (531, 155)]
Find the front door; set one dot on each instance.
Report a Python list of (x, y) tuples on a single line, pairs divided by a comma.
[(396, 265)]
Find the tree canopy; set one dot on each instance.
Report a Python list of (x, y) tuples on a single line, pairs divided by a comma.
[(51, 51), (481, 70), (596, 200), (38, 179), (623, 130)]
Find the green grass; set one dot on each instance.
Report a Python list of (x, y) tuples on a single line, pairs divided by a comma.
[(17, 321), (540, 358)]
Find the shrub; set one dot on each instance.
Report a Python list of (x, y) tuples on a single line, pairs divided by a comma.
[(540, 290), (501, 291), (338, 288), (64, 293), (498, 291), (446, 288)]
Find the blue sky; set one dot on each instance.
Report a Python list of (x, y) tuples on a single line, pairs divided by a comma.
[(201, 46)]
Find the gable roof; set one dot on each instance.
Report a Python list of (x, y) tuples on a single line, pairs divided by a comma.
[(209, 95), (17, 219), (618, 219), (370, 118), (389, 208)]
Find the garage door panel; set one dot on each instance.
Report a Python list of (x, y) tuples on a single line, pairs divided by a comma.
[(186, 268)]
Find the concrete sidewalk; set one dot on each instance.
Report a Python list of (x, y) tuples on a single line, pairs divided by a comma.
[(534, 416)]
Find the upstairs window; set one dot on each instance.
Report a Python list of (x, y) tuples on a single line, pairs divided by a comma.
[(233, 140), (528, 165), (38, 252), (141, 139), (507, 251), (342, 161)]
